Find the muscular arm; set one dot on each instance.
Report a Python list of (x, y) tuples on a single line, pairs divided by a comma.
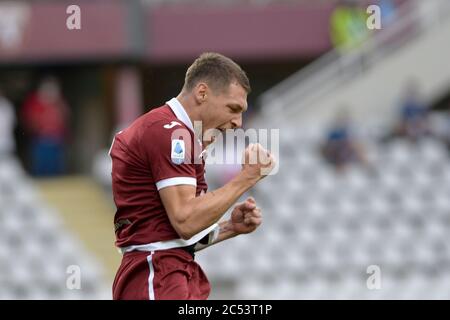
[(189, 214), (245, 218)]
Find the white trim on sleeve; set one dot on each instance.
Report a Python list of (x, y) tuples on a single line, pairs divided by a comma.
[(176, 181)]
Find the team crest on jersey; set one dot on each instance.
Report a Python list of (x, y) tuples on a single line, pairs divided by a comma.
[(178, 150)]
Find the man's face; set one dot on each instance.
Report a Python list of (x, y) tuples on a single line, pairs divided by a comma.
[(224, 110)]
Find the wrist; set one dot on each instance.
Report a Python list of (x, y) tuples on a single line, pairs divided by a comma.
[(246, 179), (226, 228)]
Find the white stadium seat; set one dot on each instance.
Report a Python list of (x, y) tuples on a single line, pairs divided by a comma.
[(35, 249), (398, 218)]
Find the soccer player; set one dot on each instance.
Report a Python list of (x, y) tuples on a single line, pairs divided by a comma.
[(164, 212)]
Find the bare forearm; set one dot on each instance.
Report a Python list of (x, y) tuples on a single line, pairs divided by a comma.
[(201, 212), (225, 233), (189, 214)]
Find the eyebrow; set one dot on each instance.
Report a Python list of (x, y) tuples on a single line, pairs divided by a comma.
[(236, 106)]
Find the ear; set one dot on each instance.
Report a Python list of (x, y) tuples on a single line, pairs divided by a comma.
[(201, 92)]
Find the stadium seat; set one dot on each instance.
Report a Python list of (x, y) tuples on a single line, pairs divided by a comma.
[(328, 228)]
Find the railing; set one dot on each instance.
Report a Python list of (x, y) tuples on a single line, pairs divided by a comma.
[(335, 68)]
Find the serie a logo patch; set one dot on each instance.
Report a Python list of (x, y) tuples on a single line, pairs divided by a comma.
[(178, 149)]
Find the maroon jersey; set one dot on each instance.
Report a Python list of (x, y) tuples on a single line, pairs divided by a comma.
[(157, 150)]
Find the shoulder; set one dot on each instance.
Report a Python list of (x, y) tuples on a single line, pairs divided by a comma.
[(157, 121), (161, 131), (163, 123)]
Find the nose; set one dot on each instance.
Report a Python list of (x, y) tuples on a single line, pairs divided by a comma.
[(237, 122)]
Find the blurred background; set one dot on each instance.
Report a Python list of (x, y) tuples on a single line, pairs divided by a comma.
[(364, 119)]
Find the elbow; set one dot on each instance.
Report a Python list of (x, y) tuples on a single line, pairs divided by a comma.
[(183, 229), (185, 235), (184, 232)]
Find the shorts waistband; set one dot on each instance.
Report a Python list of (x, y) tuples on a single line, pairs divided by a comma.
[(172, 244)]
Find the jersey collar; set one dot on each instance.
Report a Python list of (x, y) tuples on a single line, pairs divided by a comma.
[(180, 112)]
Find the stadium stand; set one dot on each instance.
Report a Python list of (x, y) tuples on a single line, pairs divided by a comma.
[(36, 249), (324, 229), (317, 92)]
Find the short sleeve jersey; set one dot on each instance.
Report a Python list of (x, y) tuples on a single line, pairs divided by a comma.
[(156, 151)]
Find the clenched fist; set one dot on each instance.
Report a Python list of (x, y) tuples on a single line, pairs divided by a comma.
[(246, 217), (257, 162)]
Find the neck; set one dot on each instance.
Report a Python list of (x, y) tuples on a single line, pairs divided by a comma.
[(189, 105)]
